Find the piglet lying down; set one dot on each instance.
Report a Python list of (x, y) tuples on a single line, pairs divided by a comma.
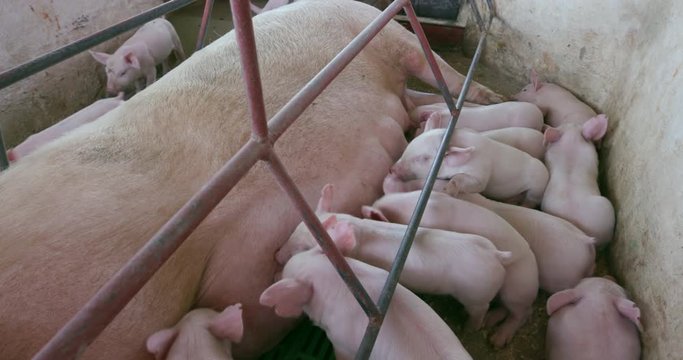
[(593, 321), (411, 329)]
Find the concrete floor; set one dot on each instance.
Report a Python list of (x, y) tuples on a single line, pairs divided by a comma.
[(530, 340)]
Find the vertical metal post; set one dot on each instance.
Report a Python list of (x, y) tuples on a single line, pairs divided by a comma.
[(244, 33), (372, 330), (206, 17), (4, 161)]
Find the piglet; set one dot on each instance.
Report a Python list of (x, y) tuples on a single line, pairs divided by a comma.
[(465, 266), (572, 192), (564, 254), (138, 56), (483, 118), (200, 334), (83, 116), (528, 140), (559, 106), (411, 329), (447, 213), (476, 164), (593, 321)]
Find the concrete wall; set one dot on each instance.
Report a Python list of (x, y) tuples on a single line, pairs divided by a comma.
[(32, 28), (625, 58)]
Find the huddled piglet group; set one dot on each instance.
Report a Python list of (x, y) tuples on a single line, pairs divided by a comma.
[(482, 235)]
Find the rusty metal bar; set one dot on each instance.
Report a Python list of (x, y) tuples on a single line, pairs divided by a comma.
[(206, 16), (4, 161), (310, 91), (244, 33), (109, 300), (323, 238), (372, 330)]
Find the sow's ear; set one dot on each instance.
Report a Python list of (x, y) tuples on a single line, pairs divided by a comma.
[(560, 299), (287, 296)]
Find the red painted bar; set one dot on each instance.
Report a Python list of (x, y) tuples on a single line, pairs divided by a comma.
[(208, 7), (321, 235), (244, 33), (109, 300), (419, 32)]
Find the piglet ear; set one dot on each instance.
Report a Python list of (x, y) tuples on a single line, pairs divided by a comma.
[(595, 128), (437, 120), (560, 299), (132, 60), (100, 57), (629, 310), (550, 135), (456, 156), (329, 222), (372, 213), (287, 296), (533, 75), (160, 342), (228, 324), (326, 196), (343, 236)]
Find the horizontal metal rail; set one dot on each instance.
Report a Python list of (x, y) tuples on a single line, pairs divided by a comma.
[(56, 56)]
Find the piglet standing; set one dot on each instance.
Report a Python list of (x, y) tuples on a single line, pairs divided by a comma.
[(83, 116), (476, 164), (559, 106), (200, 334), (593, 321), (411, 329), (138, 56), (572, 192)]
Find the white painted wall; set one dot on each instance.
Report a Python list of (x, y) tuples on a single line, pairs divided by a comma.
[(32, 28), (625, 58)]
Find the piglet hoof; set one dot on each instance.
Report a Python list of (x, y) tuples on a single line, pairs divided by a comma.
[(484, 95), (500, 338), (494, 317)]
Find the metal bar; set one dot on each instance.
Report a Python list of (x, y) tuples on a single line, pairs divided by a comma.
[(283, 118), (372, 330), (431, 60), (244, 33), (323, 238), (109, 300), (42, 62), (4, 161), (477, 15), (206, 16)]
